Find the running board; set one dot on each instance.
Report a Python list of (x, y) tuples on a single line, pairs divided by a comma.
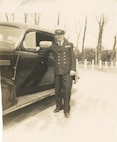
[(29, 99)]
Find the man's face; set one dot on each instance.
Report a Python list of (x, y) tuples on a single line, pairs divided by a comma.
[(59, 36)]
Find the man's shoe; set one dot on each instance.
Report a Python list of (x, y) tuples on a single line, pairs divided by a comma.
[(67, 114), (57, 110)]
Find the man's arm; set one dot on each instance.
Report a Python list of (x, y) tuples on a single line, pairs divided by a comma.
[(45, 48), (45, 44), (74, 66), (73, 58)]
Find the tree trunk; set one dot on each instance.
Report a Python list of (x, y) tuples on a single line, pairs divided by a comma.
[(83, 54), (112, 58), (8, 18), (102, 21), (25, 17), (58, 19)]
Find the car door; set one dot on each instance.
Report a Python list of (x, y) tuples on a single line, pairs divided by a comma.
[(34, 72)]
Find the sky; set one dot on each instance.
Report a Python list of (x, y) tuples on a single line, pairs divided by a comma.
[(72, 16)]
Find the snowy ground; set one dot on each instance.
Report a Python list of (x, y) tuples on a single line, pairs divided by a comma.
[(93, 114)]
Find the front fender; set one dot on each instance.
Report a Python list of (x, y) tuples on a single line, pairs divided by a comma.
[(8, 93)]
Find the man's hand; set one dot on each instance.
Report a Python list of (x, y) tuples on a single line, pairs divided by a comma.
[(72, 72), (37, 48), (45, 44)]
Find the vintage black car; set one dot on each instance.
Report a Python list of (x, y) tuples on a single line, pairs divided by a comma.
[(27, 74)]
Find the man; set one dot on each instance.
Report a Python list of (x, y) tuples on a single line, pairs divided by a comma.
[(65, 69)]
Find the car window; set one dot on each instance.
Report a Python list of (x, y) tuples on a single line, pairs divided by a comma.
[(32, 39), (9, 35)]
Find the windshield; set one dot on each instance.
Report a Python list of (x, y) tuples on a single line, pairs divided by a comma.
[(9, 35)]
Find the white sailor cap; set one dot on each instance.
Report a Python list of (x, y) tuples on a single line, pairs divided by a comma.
[(59, 29)]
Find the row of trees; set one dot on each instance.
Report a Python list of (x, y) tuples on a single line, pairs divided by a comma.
[(98, 53), (26, 17), (90, 53), (87, 53)]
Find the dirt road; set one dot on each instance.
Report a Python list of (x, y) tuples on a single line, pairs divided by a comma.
[(93, 114)]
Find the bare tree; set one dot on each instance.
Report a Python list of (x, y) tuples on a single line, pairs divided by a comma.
[(112, 58), (13, 16), (33, 18), (25, 17), (83, 41), (78, 36), (58, 19), (9, 17), (101, 23), (0, 16), (37, 18)]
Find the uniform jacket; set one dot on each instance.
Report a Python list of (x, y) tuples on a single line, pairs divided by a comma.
[(64, 57)]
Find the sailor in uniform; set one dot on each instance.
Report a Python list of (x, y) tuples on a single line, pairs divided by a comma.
[(64, 69)]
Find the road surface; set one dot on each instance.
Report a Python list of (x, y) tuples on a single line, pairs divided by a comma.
[(93, 114)]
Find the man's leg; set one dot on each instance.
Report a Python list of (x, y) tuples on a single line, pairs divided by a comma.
[(58, 94), (67, 85)]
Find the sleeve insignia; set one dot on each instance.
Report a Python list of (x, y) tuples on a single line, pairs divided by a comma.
[(67, 46)]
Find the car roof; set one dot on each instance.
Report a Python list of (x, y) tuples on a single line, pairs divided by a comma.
[(26, 26)]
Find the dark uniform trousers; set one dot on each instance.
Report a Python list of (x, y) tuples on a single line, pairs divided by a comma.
[(63, 84), (64, 62)]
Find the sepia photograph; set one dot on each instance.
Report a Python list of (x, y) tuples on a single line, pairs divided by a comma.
[(58, 70)]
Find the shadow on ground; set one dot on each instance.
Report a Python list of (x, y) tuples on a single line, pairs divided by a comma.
[(28, 111)]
